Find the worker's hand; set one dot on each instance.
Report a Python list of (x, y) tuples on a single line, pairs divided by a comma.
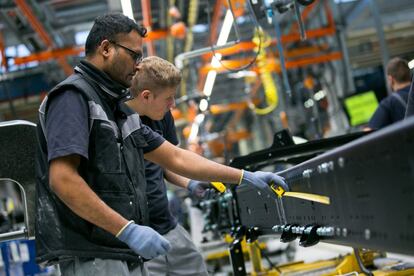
[(262, 180), (199, 189), (145, 241)]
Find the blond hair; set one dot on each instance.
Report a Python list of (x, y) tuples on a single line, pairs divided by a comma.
[(155, 73)]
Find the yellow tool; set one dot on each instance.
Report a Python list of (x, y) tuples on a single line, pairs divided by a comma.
[(220, 187), (311, 197)]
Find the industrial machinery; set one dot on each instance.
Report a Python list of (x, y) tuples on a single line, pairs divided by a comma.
[(19, 140), (366, 177), (366, 187), (17, 190)]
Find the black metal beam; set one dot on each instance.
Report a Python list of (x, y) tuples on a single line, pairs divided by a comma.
[(370, 183)]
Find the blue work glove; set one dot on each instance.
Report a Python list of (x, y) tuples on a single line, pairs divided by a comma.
[(145, 241), (262, 180), (198, 189)]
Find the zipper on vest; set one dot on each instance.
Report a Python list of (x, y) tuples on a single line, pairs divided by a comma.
[(134, 191), (120, 148)]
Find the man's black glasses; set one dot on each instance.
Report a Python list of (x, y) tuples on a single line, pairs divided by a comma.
[(137, 56)]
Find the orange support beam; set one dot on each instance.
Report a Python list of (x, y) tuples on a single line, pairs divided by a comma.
[(273, 65), (147, 20), (215, 20), (223, 108), (38, 28), (34, 22), (309, 34), (3, 52), (288, 38), (49, 54), (247, 45), (217, 13), (329, 15), (237, 7), (64, 52), (306, 51), (312, 60), (156, 35)]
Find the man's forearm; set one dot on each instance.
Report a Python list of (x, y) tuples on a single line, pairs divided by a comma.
[(191, 165), (79, 197), (176, 179)]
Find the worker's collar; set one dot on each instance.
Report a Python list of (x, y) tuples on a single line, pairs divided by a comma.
[(403, 87), (110, 87)]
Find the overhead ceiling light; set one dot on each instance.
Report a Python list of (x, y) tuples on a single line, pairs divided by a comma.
[(203, 105), (199, 28), (309, 103), (319, 95), (225, 29), (411, 64), (195, 127), (208, 85), (242, 74), (215, 61), (127, 9)]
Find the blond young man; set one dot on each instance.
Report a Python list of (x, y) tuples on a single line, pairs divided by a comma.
[(154, 88)]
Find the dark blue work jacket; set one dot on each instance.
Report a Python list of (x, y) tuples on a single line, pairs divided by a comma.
[(114, 170)]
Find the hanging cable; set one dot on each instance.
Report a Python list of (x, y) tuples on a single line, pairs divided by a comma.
[(360, 263), (269, 85), (256, 23)]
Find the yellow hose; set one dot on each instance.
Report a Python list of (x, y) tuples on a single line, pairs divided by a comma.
[(191, 20), (269, 85)]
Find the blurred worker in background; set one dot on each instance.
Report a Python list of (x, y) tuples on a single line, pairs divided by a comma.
[(154, 88), (392, 108), (91, 205), (410, 104)]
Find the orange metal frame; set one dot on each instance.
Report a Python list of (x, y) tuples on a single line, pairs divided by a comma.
[(3, 52), (222, 108), (147, 20), (273, 65), (247, 45), (38, 28), (217, 12), (285, 39), (60, 53), (49, 54), (156, 35)]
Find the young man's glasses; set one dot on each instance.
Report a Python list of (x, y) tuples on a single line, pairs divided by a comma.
[(137, 56)]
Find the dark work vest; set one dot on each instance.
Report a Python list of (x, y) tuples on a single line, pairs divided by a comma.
[(115, 172)]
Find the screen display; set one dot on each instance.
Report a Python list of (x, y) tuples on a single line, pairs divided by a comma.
[(360, 107)]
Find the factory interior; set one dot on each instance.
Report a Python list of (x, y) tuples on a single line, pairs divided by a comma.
[(289, 87)]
